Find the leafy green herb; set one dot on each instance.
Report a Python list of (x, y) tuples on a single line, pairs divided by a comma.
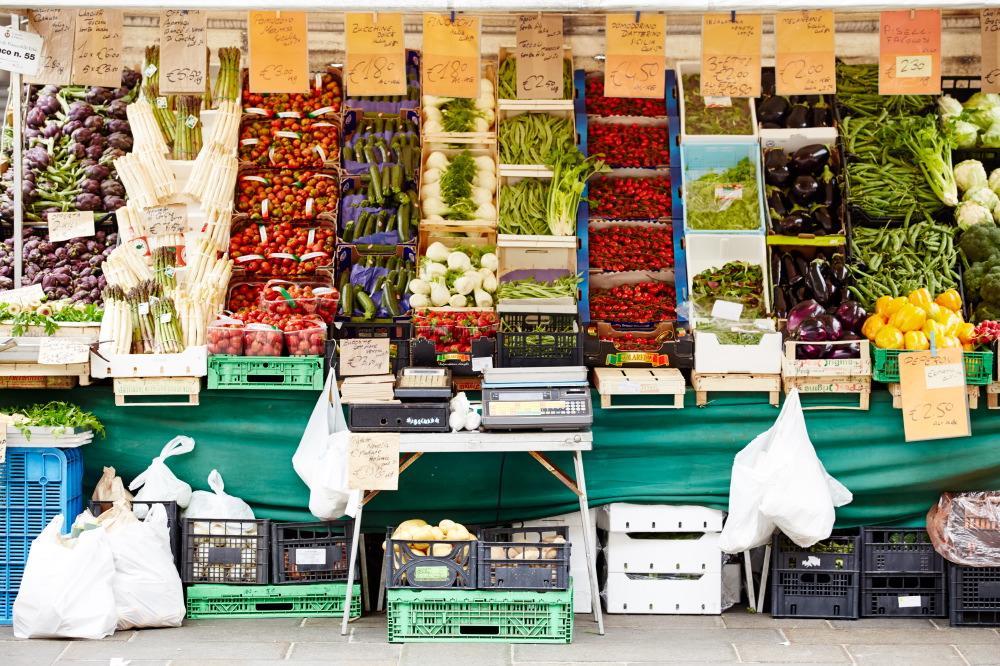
[(701, 119), (47, 315), (59, 416), (460, 114), (456, 187), (737, 281), (725, 201)]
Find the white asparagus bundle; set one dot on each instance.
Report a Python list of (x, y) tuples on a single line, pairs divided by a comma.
[(226, 131), (131, 223), (116, 324), (165, 240), (206, 172), (125, 267), (217, 226), (220, 187), (145, 131), (146, 176)]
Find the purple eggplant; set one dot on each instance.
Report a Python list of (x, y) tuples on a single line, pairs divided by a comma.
[(777, 203), (810, 159), (851, 315), (798, 117), (803, 311), (824, 220), (835, 330), (795, 223), (804, 190), (773, 110)]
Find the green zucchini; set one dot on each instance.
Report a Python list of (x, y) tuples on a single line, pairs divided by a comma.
[(367, 305)]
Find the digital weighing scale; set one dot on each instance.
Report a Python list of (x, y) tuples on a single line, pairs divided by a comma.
[(537, 399)]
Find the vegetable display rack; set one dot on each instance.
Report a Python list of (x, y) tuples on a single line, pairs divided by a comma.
[(978, 366), (705, 383), (538, 339), (292, 373), (829, 377), (901, 574), (19, 354), (659, 388), (524, 558), (974, 596), (818, 582), (260, 601), (226, 551), (495, 616)]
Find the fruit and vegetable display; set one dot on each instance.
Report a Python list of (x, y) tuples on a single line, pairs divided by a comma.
[(293, 143), (980, 202), (454, 331), (507, 79), (281, 297), (287, 194), (616, 197), (47, 315), (811, 322), (735, 281), (725, 200), (629, 145), (776, 111), (282, 248), (458, 277), (66, 269), (715, 116), (380, 209), (57, 415), (378, 142), (798, 275), (418, 530), (910, 322), (979, 246), (515, 287), (460, 186), (633, 247), (599, 105), (324, 99), (646, 301), (377, 287), (974, 123), (448, 115), (803, 191), (535, 138), (256, 331)]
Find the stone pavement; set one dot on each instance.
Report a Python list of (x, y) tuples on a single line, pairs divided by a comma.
[(735, 637)]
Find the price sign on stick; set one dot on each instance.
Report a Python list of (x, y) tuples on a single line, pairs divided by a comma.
[(539, 56), (730, 55), (373, 461), (932, 390), (97, 48), (989, 27), (183, 61), (62, 351), (450, 63), (279, 52), (376, 54), (635, 55), (56, 28), (364, 356), (909, 59), (171, 219), (806, 57), (76, 224), (20, 51)]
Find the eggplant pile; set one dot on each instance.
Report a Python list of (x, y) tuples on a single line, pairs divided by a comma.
[(797, 277), (66, 269), (791, 112), (811, 322), (803, 192)]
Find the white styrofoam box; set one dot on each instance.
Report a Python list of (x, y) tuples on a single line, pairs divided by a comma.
[(701, 159), (663, 594), (706, 251), (711, 356), (683, 68), (192, 362), (624, 517), (626, 553), (577, 554)]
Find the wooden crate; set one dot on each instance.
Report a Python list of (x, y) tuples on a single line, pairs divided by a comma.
[(792, 367), (971, 391), (515, 253), (480, 139), (450, 153), (39, 382), (84, 330), (705, 383), (993, 396), (640, 381), (828, 385), (187, 388), (79, 371), (531, 170)]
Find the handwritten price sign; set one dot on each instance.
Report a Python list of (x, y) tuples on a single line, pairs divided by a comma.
[(805, 63), (451, 60), (730, 55), (376, 54), (97, 51), (989, 27), (183, 62), (279, 52), (932, 391), (910, 52), (56, 28), (540, 56), (635, 55)]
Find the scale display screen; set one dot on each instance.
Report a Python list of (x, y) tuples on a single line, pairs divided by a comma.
[(523, 396)]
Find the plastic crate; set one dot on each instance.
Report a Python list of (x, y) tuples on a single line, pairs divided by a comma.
[(226, 551), (36, 485), (299, 373), (975, 596), (978, 366), (465, 616), (518, 558), (541, 340), (899, 551), (815, 594), (835, 554), (453, 567), (311, 552), (903, 595), (141, 508), (259, 601)]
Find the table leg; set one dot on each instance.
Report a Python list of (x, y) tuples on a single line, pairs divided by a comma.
[(350, 571), (748, 575), (365, 604), (589, 541), (765, 570)]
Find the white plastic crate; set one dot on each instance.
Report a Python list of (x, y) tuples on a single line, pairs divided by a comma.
[(624, 517), (627, 554), (663, 594), (713, 357), (705, 251), (577, 555)]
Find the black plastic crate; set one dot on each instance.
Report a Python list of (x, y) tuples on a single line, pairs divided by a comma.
[(311, 552), (974, 593), (904, 595), (518, 558), (538, 340), (814, 594), (430, 564), (837, 553), (903, 550), (226, 551), (140, 509)]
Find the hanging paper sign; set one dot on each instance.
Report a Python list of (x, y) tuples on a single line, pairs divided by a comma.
[(635, 55), (20, 51), (910, 52), (97, 48), (934, 399), (373, 461), (730, 55), (805, 62), (989, 27), (539, 56), (449, 64), (376, 54), (279, 52), (183, 59), (24, 296), (75, 224), (55, 27)]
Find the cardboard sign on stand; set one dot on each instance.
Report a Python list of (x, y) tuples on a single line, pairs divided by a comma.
[(909, 59), (279, 52), (376, 54), (989, 27), (450, 63), (934, 400), (635, 55), (730, 55), (806, 61)]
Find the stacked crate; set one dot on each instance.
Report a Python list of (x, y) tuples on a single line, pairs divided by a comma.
[(820, 581), (901, 574), (661, 559), (975, 596)]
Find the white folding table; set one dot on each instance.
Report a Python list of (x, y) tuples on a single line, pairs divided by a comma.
[(535, 444)]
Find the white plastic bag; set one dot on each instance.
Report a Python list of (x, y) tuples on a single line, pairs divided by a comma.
[(778, 481), (217, 504), (321, 459), (66, 590), (147, 589), (158, 482)]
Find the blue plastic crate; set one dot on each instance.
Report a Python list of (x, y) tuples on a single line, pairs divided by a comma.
[(35, 486)]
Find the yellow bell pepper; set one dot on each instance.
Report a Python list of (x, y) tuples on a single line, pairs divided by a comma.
[(966, 333), (894, 305), (949, 341), (968, 346), (916, 341), (882, 304), (908, 318), (932, 329), (951, 323), (889, 337), (932, 310), (872, 325), (950, 299), (921, 298)]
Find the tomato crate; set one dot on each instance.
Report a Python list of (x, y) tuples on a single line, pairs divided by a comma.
[(524, 558), (978, 366), (449, 564), (903, 595), (467, 616), (310, 552), (226, 551), (259, 601), (293, 373), (974, 596), (886, 550)]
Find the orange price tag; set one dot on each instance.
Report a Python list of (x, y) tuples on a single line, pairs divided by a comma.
[(636, 55), (279, 52), (806, 56), (730, 55), (989, 26), (933, 395), (910, 52), (449, 65), (376, 54)]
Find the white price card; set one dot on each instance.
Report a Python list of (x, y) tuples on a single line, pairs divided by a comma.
[(482, 363), (727, 310), (76, 224), (909, 601), (310, 556), (373, 461), (20, 51), (23, 296), (951, 375), (62, 351)]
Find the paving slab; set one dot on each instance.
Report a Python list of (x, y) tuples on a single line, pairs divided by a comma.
[(651, 621), (342, 650), (177, 649), (890, 636), (740, 619), (457, 654), (30, 653), (653, 649), (797, 654), (980, 655), (911, 655)]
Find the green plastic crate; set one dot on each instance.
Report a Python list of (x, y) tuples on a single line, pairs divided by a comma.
[(299, 373), (256, 601), (978, 366), (499, 616)]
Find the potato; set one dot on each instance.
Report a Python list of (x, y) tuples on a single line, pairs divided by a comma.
[(447, 524), (532, 553), (440, 549), (439, 534)]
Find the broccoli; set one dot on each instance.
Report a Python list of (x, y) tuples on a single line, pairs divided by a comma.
[(981, 242), (987, 312)]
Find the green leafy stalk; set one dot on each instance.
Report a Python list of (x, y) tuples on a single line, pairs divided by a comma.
[(56, 415)]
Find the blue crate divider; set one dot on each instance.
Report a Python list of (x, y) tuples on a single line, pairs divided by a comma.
[(35, 486), (583, 212), (697, 159), (680, 268), (674, 139), (673, 104)]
